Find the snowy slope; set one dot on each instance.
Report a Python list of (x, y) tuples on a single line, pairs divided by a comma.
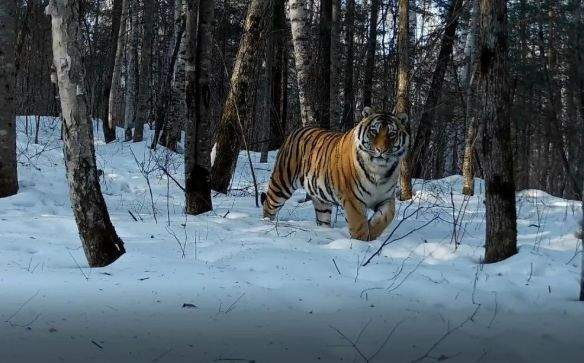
[(274, 291)]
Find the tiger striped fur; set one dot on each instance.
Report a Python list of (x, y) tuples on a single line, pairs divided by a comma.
[(357, 170)]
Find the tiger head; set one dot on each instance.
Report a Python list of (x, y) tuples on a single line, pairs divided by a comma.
[(383, 136)]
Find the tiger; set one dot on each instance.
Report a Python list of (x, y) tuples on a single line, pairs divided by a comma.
[(357, 170)]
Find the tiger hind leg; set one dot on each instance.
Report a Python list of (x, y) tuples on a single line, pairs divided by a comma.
[(323, 212), (275, 197)]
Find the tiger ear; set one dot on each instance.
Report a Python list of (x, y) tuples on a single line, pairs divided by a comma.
[(367, 111), (403, 119)]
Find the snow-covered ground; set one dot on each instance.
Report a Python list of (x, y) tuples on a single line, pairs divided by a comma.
[(229, 286)]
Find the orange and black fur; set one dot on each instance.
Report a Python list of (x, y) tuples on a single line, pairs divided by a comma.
[(357, 170)]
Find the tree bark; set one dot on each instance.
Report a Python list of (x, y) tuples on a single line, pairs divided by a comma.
[(177, 109), (8, 172), (402, 94), (131, 81), (199, 46), (144, 82), (324, 61), (115, 96), (109, 133), (349, 93), (470, 119), (335, 68), (496, 153), (101, 244), (279, 75), (371, 47), (243, 80), (303, 60)]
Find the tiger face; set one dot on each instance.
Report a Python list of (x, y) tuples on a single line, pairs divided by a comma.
[(383, 137)]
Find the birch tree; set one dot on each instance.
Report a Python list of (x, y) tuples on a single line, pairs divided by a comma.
[(8, 174), (237, 105), (101, 244), (299, 22), (198, 102), (495, 149)]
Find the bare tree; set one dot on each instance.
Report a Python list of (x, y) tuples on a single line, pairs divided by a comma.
[(348, 92), (299, 22), (324, 63), (176, 109), (279, 74), (144, 88), (101, 244), (371, 48), (131, 75), (403, 83), (582, 247), (243, 80), (115, 97), (496, 154), (424, 131), (109, 133), (8, 174), (470, 119), (335, 68), (198, 102)]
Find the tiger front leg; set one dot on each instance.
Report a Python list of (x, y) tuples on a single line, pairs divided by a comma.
[(357, 220), (382, 217)]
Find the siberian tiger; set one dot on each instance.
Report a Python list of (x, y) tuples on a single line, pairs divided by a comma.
[(357, 170)]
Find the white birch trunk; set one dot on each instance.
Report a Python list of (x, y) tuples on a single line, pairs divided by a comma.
[(302, 58), (101, 244)]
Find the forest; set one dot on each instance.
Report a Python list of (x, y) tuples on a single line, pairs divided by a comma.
[(291, 181)]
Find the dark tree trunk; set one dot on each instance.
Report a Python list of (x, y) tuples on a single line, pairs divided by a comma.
[(495, 151), (101, 244), (349, 93), (199, 45), (371, 47), (402, 104), (144, 82), (163, 103), (324, 60), (243, 80), (109, 132), (8, 173), (279, 75)]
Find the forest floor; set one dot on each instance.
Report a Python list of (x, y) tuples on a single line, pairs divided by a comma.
[(229, 286)]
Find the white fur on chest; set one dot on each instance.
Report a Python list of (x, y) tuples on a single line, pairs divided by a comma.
[(380, 188)]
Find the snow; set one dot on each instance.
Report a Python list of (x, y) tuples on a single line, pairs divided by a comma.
[(285, 291)]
